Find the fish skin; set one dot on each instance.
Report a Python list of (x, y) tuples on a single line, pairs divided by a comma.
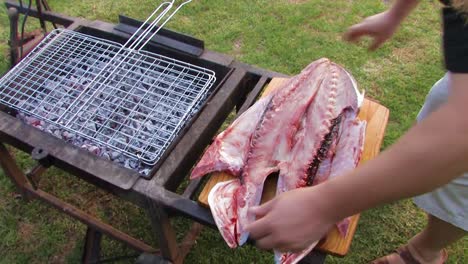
[(273, 139)]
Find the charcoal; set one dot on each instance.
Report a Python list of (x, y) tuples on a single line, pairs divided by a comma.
[(131, 163), (67, 135), (106, 156), (129, 104), (114, 155), (58, 134), (145, 172), (91, 126)]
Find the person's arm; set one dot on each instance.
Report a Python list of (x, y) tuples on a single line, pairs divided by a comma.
[(429, 155), (382, 26)]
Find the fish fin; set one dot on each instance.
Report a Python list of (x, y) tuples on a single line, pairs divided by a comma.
[(223, 208)]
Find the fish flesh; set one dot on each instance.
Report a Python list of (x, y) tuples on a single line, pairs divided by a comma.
[(272, 141), (303, 131), (229, 149), (335, 97), (343, 156), (341, 152)]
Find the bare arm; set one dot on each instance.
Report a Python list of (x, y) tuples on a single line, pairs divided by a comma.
[(382, 26), (429, 155)]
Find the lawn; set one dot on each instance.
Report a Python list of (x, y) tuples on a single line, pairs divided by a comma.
[(280, 35)]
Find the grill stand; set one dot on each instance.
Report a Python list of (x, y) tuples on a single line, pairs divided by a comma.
[(157, 195), (96, 228)]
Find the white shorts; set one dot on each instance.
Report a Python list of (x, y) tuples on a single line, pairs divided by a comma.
[(449, 202)]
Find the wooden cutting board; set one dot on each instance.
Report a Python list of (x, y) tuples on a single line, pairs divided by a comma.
[(376, 116)]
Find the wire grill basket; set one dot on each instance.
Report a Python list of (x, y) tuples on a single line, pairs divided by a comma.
[(116, 96)]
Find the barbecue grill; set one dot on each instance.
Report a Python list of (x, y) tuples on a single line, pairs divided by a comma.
[(128, 107)]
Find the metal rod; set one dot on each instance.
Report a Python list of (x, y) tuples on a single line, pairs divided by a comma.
[(92, 246), (11, 169), (137, 37), (52, 86), (13, 17), (126, 51), (162, 227), (164, 23), (41, 18), (90, 221), (48, 15), (34, 175)]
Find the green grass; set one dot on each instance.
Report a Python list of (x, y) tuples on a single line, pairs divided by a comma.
[(279, 35)]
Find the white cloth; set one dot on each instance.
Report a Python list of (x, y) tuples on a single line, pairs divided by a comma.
[(449, 202)]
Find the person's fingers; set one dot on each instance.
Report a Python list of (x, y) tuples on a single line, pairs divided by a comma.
[(259, 228), (376, 44), (290, 250), (355, 32), (266, 242), (271, 241), (262, 210)]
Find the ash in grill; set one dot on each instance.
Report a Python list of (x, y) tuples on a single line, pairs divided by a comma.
[(123, 105)]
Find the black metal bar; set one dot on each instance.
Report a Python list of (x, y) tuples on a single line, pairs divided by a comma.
[(66, 156), (34, 175), (181, 159), (12, 171), (47, 8), (257, 71), (168, 38), (145, 192), (165, 32), (13, 17), (314, 257), (89, 220), (164, 232), (192, 188), (253, 95), (92, 246), (40, 17)]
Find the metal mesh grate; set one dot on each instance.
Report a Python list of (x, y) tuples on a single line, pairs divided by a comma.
[(134, 102)]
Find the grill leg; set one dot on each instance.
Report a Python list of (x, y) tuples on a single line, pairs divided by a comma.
[(167, 239), (13, 17), (92, 246), (11, 169)]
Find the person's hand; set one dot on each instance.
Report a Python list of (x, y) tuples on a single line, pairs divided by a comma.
[(292, 221), (380, 28)]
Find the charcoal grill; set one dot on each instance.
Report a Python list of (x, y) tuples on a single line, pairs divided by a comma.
[(84, 86), (114, 97)]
